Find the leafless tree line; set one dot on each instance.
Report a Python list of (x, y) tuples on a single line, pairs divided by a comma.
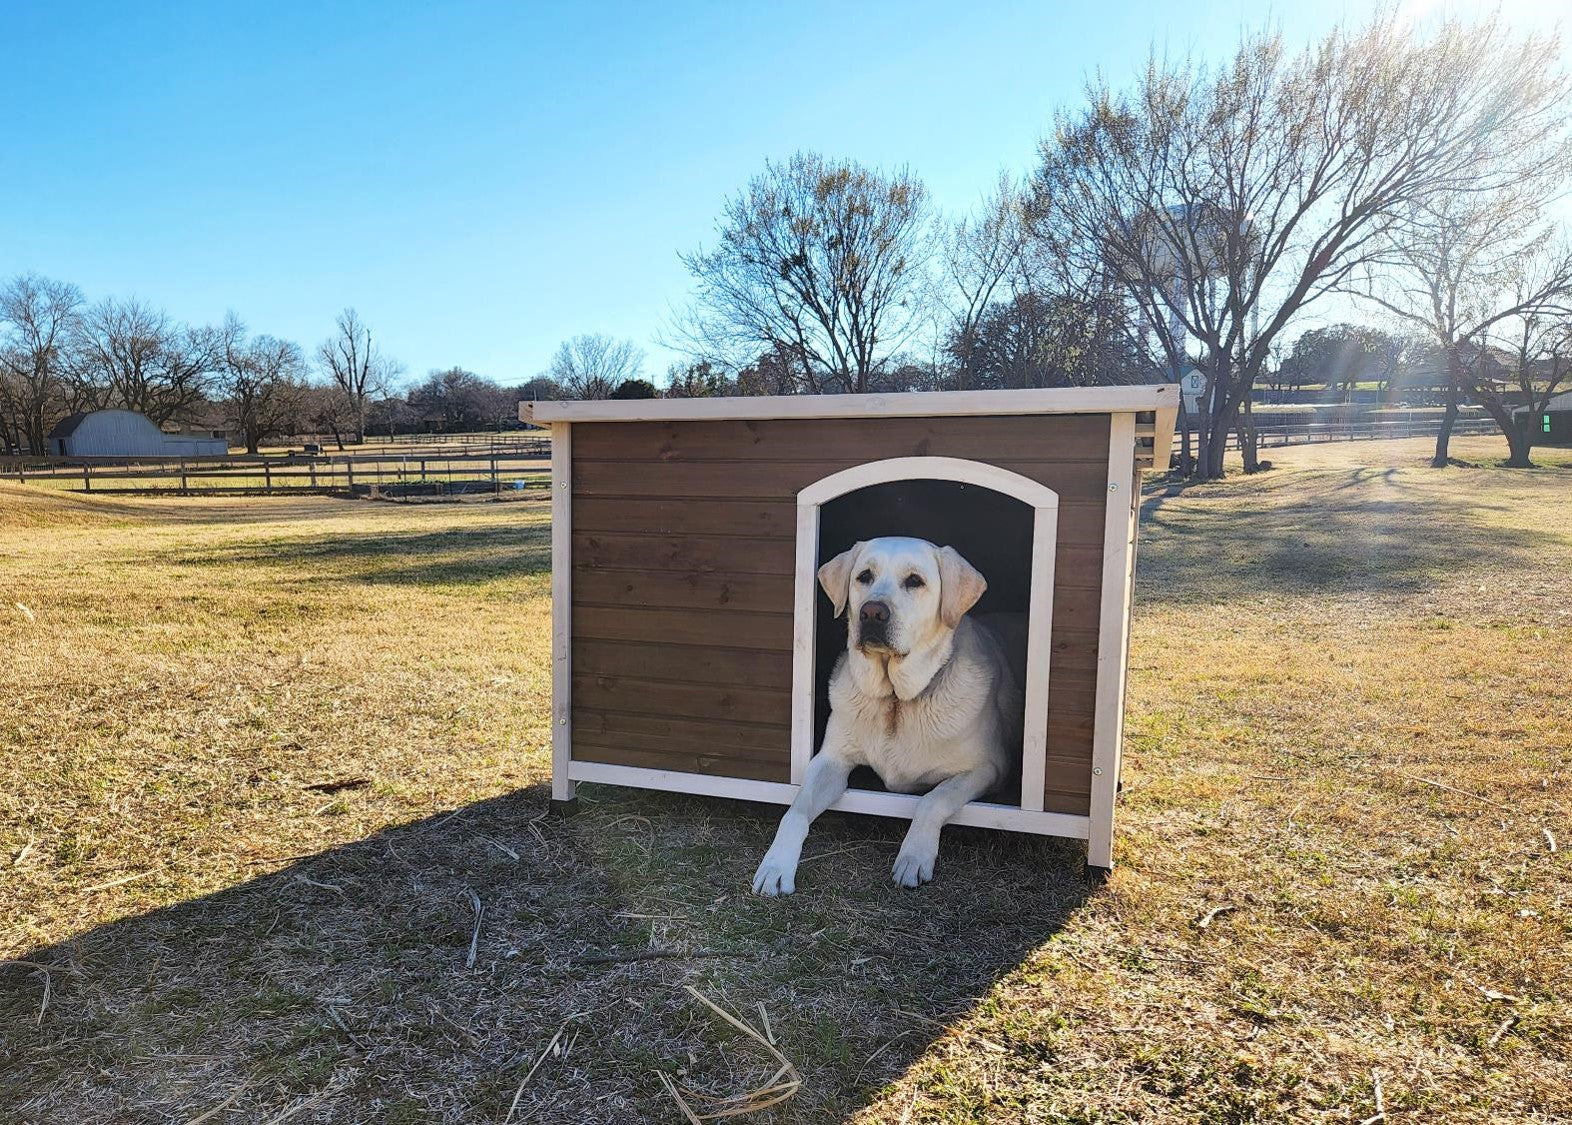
[(830, 277), (1227, 202), (60, 355), (1196, 218)]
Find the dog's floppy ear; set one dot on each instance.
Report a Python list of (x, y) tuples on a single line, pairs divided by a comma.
[(960, 585), (835, 577)]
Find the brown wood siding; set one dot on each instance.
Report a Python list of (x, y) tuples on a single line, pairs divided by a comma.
[(683, 548)]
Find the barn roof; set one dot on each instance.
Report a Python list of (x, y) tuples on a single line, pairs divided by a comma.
[(1554, 405), (67, 425)]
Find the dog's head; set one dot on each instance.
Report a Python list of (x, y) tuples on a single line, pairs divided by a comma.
[(900, 594)]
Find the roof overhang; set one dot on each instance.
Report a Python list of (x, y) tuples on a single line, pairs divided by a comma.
[(902, 404)]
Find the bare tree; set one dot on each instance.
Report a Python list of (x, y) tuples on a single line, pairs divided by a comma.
[(594, 365), (821, 260), (41, 317), (1539, 347), (327, 410), (700, 379), (133, 356), (1462, 267), (357, 367), (1056, 339), (262, 380), (981, 254), (1227, 201), (461, 400)]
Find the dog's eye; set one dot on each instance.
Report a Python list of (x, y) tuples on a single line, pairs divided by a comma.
[(865, 577), (914, 582)]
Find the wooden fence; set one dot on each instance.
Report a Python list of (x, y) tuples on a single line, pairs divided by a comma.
[(475, 465), (1309, 432), (414, 473)]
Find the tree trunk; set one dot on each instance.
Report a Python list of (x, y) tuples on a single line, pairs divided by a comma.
[(1247, 438), (1216, 445), (1519, 444), (1203, 446), (1444, 434)]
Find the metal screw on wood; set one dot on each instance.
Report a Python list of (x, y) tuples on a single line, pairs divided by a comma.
[(1098, 770), (1114, 487)]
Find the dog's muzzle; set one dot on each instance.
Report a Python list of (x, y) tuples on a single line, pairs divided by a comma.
[(873, 625)]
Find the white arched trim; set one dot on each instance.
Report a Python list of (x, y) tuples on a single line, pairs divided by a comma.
[(1045, 535), (956, 469)]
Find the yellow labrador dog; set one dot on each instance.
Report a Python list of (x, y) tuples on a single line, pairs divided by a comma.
[(924, 695)]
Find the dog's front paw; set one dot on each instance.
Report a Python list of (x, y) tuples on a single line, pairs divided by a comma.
[(913, 868), (776, 876)]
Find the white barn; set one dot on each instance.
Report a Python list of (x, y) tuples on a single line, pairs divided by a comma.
[(125, 433)]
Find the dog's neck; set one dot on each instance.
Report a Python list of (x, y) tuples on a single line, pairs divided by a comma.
[(881, 675)]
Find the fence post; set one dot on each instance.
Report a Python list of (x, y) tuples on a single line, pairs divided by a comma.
[(496, 485), (313, 467), (267, 477), (183, 489), (349, 471), (87, 478)]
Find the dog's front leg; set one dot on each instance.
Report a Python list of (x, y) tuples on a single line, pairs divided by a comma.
[(914, 863), (823, 783)]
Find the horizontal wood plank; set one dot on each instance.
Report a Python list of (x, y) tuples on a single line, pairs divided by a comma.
[(759, 518), (1074, 481), (761, 742), (1065, 803), (694, 663), (1080, 524), (1044, 438), (683, 700), (684, 554), (717, 764), (697, 590), (764, 632)]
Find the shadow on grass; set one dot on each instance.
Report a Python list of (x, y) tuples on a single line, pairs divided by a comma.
[(344, 972), (451, 556), (1308, 535)]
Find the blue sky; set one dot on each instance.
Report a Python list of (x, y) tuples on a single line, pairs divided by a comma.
[(482, 181)]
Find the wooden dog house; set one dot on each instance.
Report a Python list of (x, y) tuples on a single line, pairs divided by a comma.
[(691, 644)]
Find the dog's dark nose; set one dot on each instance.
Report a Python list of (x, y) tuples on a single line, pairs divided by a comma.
[(874, 613)]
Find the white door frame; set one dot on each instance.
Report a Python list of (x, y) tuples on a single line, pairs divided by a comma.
[(1045, 536)]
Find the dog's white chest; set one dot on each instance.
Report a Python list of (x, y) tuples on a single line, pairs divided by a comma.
[(898, 739)]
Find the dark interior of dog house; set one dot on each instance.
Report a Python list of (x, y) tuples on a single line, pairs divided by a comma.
[(992, 531)]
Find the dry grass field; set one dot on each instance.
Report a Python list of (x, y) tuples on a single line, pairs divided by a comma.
[(1344, 892)]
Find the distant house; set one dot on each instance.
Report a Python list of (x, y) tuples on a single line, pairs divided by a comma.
[(1550, 426), (125, 433)]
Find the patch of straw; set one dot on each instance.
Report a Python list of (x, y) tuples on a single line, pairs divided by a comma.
[(783, 1085)]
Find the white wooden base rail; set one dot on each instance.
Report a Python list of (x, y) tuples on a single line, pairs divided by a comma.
[(978, 814)]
